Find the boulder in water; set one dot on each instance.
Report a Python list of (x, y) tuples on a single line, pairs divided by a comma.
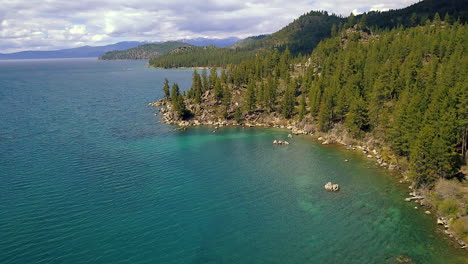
[(332, 187)]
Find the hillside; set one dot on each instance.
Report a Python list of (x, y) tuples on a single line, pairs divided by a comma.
[(247, 41), (303, 34), (400, 102), (147, 51), (300, 36), (418, 13), (222, 42), (80, 52)]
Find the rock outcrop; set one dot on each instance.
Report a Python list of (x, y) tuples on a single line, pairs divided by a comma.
[(280, 142), (332, 187)]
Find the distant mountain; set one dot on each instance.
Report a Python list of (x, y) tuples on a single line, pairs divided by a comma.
[(245, 42), (225, 42), (80, 52), (97, 51), (147, 51)]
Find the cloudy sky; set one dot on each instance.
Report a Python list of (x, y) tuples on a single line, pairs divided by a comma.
[(54, 24)]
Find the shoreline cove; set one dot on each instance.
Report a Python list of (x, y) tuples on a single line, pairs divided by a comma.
[(336, 137)]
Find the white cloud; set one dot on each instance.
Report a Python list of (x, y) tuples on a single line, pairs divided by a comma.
[(53, 24), (97, 38), (356, 12), (379, 7), (78, 30)]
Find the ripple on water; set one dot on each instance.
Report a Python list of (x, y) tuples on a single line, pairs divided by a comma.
[(90, 176)]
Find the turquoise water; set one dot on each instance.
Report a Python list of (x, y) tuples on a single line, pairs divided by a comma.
[(89, 175)]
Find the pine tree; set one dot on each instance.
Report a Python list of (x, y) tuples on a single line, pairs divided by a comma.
[(289, 100), (414, 20), (250, 96), (227, 96), (437, 19), (302, 107), (448, 19), (178, 101), (363, 20), (213, 77), (421, 165), (325, 115), (351, 21), (218, 90), (238, 115), (204, 80), (334, 31), (167, 94), (357, 119), (196, 89), (271, 93), (261, 94), (224, 77)]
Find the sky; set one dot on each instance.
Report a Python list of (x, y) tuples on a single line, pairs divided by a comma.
[(56, 24)]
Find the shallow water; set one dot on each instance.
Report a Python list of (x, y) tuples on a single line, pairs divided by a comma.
[(89, 175)]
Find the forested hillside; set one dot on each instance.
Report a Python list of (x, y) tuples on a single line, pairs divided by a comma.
[(411, 96), (300, 36), (418, 13), (147, 51), (200, 56), (303, 34)]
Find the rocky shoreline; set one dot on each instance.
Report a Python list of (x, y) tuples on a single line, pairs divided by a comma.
[(337, 135)]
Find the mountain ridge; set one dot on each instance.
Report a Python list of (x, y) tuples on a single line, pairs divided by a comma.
[(303, 34), (146, 51), (96, 51)]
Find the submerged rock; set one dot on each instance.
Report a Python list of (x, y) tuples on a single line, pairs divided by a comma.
[(403, 259), (280, 142), (332, 187), (409, 199)]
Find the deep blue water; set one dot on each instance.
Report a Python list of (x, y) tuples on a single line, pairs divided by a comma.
[(89, 175)]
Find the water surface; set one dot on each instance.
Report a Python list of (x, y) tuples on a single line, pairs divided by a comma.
[(89, 175)]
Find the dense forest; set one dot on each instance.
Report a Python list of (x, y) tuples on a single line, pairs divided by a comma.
[(411, 96), (201, 57), (147, 51), (303, 34)]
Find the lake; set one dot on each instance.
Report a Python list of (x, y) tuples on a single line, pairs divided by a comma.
[(89, 175)]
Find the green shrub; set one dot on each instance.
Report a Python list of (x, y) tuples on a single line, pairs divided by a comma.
[(448, 207), (460, 227)]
